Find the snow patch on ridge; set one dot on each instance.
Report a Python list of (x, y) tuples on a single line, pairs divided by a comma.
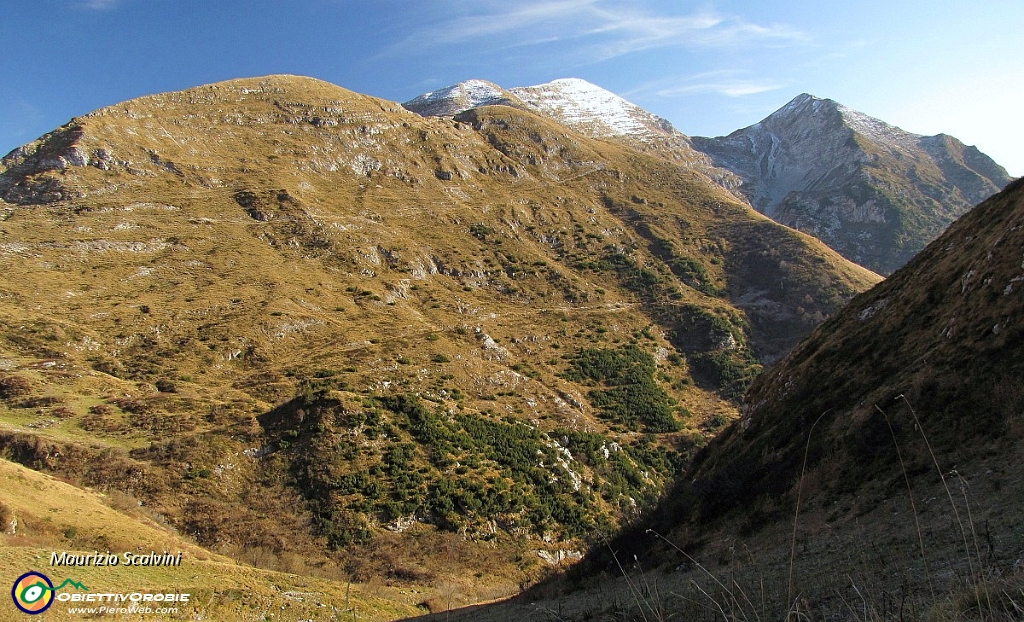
[(877, 130), (580, 104), (576, 103), (457, 98)]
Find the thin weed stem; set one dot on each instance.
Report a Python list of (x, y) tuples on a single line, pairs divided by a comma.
[(753, 609), (1019, 610), (913, 504), (796, 514), (649, 593), (794, 612), (863, 601), (696, 603), (632, 589), (846, 602), (977, 548), (711, 598), (695, 563), (952, 504)]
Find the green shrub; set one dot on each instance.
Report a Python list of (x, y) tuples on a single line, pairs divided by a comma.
[(731, 371), (480, 230), (166, 386), (629, 393)]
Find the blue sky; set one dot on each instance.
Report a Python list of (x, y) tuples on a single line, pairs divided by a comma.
[(709, 67)]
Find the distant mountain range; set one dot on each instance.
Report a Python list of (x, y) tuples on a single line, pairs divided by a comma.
[(582, 106), (871, 191)]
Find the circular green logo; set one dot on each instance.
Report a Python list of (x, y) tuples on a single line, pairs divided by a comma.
[(32, 592)]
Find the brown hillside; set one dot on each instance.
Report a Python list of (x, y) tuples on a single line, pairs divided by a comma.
[(299, 321), (41, 515)]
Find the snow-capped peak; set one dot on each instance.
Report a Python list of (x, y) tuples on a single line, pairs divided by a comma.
[(583, 106), (590, 108), (457, 98)]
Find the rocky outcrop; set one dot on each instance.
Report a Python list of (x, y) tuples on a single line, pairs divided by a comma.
[(29, 174)]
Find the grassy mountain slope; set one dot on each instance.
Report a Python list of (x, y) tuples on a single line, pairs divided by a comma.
[(873, 473), (313, 329)]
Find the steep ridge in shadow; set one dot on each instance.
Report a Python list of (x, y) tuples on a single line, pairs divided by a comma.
[(873, 473)]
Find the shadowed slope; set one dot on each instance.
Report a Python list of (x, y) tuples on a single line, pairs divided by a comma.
[(874, 468)]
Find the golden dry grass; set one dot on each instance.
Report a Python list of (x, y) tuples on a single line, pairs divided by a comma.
[(53, 516)]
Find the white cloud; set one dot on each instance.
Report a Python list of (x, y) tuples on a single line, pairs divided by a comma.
[(532, 16), (634, 32), (732, 89)]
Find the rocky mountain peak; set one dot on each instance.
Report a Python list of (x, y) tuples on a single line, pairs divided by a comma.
[(806, 110), (802, 110), (872, 191), (804, 103)]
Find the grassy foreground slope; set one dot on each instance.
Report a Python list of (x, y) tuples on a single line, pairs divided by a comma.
[(42, 514)]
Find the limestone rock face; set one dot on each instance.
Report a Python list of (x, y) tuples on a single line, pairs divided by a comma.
[(873, 192), (8, 521)]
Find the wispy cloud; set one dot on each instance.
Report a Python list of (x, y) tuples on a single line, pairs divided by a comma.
[(99, 5), (542, 16), (731, 89), (725, 82), (632, 31), (602, 29)]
